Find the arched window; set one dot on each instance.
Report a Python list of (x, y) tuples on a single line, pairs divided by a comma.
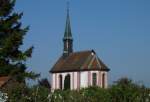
[(67, 82), (94, 79), (60, 82), (103, 80)]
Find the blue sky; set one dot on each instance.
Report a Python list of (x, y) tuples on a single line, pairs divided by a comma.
[(118, 30)]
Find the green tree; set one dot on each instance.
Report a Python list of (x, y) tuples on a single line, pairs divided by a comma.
[(125, 90), (12, 58), (45, 83), (95, 94), (37, 94)]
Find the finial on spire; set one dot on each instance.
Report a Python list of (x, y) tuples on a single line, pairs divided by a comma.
[(68, 6)]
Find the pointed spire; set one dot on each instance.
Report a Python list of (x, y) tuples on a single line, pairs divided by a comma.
[(68, 34), (68, 40)]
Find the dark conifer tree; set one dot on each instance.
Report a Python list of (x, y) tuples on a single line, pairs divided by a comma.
[(45, 83), (12, 58)]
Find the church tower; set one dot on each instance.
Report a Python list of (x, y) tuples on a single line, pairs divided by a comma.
[(68, 40)]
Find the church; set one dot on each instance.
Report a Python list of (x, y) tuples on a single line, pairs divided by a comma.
[(76, 70)]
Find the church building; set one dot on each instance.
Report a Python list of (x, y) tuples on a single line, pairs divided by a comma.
[(76, 70)]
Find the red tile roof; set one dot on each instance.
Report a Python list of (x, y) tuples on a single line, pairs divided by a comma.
[(79, 61), (4, 80)]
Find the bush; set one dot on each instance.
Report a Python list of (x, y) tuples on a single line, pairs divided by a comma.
[(124, 90)]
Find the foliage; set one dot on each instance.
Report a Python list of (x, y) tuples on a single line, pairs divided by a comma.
[(38, 94), (12, 58), (45, 83), (22, 93), (66, 96), (91, 94), (124, 90), (94, 94), (17, 93)]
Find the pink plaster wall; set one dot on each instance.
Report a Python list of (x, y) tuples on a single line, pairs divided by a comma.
[(75, 77)]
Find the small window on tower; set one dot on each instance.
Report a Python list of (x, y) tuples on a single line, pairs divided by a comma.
[(94, 79)]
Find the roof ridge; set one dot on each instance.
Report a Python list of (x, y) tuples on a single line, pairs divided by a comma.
[(82, 51)]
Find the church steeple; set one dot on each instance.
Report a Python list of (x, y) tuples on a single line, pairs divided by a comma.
[(68, 40), (68, 34)]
